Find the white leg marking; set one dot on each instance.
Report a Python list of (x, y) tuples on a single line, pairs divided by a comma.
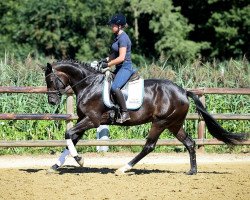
[(72, 148), (63, 157), (123, 169)]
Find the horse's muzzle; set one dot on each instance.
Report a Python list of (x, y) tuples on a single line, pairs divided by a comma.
[(54, 100)]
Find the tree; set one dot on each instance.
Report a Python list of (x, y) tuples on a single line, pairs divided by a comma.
[(170, 28), (77, 28), (223, 23), (97, 36), (63, 28), (232, 30)]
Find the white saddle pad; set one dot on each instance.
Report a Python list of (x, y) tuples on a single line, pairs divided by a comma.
[(133, 93)]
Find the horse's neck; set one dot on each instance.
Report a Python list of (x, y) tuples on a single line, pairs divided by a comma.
[(68, 69), (80, 78), (88, 86), (74, 74)]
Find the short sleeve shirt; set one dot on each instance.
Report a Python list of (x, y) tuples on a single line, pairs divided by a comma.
[(122, 40)]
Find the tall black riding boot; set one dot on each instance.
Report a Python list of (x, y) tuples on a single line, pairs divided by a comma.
[(121, 101)]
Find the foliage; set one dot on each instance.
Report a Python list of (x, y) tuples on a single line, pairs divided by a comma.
[(232, 30), (169, 27), (178, 30), (222, 23), (60, 28), (188, 75)]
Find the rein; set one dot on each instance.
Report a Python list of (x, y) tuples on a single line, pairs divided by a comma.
[(65, 91), (60, 92)]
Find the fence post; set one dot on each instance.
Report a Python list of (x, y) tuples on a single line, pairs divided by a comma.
[(70, 109), (201, 127)]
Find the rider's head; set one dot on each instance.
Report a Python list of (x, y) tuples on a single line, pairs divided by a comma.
[(118, 21)]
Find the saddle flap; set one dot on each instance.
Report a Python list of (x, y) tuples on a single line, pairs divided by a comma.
[(133, 92)]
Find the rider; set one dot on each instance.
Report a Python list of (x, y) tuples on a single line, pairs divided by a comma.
[(121, 57)]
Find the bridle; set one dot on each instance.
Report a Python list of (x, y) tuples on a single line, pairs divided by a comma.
[(59, 92)]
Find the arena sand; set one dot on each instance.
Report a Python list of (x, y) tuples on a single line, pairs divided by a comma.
[(220, 179)]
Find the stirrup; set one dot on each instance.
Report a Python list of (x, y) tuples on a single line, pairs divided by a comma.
[(124, 116)]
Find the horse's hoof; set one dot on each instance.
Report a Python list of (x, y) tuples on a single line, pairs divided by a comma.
[(122, 170), (119, 173), (191, 172), (80, 161), (53, 170)]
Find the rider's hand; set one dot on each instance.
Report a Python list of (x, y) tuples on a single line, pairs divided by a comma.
[(103, 65), (105, 60)]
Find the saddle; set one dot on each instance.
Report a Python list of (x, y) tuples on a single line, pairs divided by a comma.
[(133, 91)]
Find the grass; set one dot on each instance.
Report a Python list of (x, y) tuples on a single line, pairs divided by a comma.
[(232, 73)]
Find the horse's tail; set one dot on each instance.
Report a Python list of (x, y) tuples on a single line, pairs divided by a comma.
[(213, 126)]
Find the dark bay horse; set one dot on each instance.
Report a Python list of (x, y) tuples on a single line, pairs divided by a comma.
[(165, 105)]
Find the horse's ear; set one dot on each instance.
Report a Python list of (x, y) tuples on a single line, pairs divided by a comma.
[(49, 68)]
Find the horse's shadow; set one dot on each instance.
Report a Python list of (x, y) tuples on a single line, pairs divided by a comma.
[(30, 171), (104, 170), (84, 170), (67, 169), (213, 172)]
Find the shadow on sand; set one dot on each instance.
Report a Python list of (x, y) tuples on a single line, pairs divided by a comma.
[(67, 169)]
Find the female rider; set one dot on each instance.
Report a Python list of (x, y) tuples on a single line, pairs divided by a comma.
[(121, 57)]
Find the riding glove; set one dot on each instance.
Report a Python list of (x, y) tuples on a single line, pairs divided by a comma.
[(103, 65)]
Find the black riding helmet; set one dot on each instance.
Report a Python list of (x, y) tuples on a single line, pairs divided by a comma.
[(118, 19)]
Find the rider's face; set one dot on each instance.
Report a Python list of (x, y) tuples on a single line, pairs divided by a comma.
[(115, 28)]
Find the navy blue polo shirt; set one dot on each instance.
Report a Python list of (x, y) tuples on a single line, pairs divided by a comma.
[(122, 40)]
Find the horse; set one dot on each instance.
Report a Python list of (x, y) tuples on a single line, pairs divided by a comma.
[(165, 105)]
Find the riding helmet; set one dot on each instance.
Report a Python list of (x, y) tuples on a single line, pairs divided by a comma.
[(118, 19)]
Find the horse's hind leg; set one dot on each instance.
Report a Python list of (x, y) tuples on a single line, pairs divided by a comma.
[(152, 138), (189, 143)]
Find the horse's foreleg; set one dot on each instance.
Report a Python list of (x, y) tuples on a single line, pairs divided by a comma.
[(71, 140), (72, 150), (66, 152), (74, 134), (148, 147), (189, 143), (61, 160)]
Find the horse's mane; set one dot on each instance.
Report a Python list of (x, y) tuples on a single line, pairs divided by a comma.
[(77, 64)]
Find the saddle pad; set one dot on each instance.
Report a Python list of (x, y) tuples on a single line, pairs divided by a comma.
[(133, 93)]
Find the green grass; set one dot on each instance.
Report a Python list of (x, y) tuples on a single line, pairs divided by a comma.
[(232, 73)]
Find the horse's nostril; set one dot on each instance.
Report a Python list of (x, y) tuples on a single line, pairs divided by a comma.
[(52, 103)]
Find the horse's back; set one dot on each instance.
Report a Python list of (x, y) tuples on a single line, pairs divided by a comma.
[(166, 97), (166, 85)]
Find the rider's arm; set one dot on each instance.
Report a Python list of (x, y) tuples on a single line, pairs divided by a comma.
[(111, 57), (120, 58)]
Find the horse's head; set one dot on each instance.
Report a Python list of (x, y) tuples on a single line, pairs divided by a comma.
[(56, 83), (60, 74)]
